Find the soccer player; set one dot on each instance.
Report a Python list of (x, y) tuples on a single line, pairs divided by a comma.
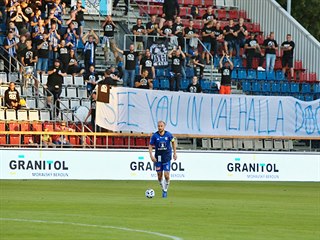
[(162, 141)]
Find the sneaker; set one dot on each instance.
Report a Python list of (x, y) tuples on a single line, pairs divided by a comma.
[(164, 194), (260, 69)]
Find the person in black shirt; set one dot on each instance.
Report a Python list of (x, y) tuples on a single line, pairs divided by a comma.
[(170, 9), (29, 57), (270, 45), (79, 10), (208, 16), (108, 41), (152, 29), (191, 36), (91, 79), (43, 52), (54, 84), (241, 34), (287, 58), (64, 54), (177, 57), (197, 63), (142, 81), (138, 31), (253, 49), (131, 58), (147, 63), (12, 97), (178, 30), (225, 69), (109, 79), (217, 40), (229, 37), (90, 41), (207, 35), (194, 87)]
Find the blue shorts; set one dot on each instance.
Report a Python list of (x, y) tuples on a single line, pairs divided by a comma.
[(163, 166)]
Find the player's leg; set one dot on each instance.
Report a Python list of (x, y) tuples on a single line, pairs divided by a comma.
[(166, 181), (159, 170)]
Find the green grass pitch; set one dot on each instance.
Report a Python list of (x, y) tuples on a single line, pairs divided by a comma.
[(118, 210)]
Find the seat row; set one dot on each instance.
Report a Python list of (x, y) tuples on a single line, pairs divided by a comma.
[(247, 144)]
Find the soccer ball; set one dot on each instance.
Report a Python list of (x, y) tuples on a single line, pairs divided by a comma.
[(150, 193)]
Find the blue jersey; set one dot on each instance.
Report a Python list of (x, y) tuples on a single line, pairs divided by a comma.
[(162, 144)]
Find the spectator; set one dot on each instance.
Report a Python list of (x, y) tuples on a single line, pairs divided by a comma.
[(64, 54), (115, 3), (197, 62), (208, 16), (52, 19), (10, 45), (143, 81), (46, 139), (63, 140), (170, 9), (73, 67), (35, 19), (19, 19), (71, 36), (229, 38), (30, 55), (270, 45), (217, 40), (92, 112), (12, 97), (42, 42), (90, 41), (191, 36), (138, 31), (177, 57), (252, 49), (15, 31), (131, 57), (178, 30), (108, 41), (241, 34), (21, 47), (108, 79), (287, 57), (207, 35), (225, 69), (79, 11), (152, 29), (194, 87), (146, 63), (91, 79), (167, 31), (59, 9), (54, 84), (54, 39)]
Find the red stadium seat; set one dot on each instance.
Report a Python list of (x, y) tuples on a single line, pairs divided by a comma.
[(208, 3), (183, 11), (118, 141), (197, 3), (256, 28), (278, 64), (154, 10), (222, 14), (74, 140), (3, 139), (37, 126), (202, 11), (312, 77), (28, 139), (143, 10), (234, 14), (48, 125), (14, 126), (243, 14), (14, 139), (129, 141), (25, 126), (188, 2), (2, 126), (141, 142)]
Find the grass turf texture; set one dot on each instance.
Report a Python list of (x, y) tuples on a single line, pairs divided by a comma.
[(193, 210)]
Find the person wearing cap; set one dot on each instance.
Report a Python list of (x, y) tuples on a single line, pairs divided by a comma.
[(54, 84)]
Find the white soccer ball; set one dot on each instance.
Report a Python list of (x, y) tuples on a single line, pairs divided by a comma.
[(150, 193)]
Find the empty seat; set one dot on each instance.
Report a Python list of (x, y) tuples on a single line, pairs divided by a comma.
[(2, 114), (248, 144), (86, 103), (68, 80), (33, 115), (63, 92), (22, 115), (216, 143), (41, 103), (78, 80), (268, 144), (3, 77), (278, 144), (71, 92), (14, 126), (82, 92), (294, 88), (31, 102), (206, 143), (227, 144), (237, 143), (44, 115), (74, 103), (14, 139), (25, 126), (141, 142), (11, 114), (288, 145), (258, 144), (13, 77), (44, 79), (64, 103), (66, 115)]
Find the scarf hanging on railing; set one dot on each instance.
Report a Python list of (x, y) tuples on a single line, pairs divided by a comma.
[(90, 46)]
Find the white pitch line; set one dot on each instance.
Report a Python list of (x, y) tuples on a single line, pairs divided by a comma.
[(92, 225)]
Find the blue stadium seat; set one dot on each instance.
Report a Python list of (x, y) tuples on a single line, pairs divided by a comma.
[(280, 76), (189, 72), (252, 74), (316, 90), (234, 74), (237, 62), (184, 84), (285, 88), (306, 88), (261, 75), (164, 84), (160, 72), (266, 88), (242, 74), (294, 88), (271, 75), (309, 97), (256, 87), (299, 96), (246, 86), (275, 88), (205, 85), (156, 84)]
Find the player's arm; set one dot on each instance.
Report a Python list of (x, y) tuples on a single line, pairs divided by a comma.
[(152, 157), (174, 147)]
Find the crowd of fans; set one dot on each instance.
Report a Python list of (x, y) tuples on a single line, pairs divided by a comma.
[(39, 38)]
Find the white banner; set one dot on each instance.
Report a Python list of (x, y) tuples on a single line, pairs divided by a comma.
[(139, 110), (159, 55), (95, 6), (136, 165)]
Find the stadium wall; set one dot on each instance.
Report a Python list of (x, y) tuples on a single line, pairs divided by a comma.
[(67, 164), (272, 17)]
